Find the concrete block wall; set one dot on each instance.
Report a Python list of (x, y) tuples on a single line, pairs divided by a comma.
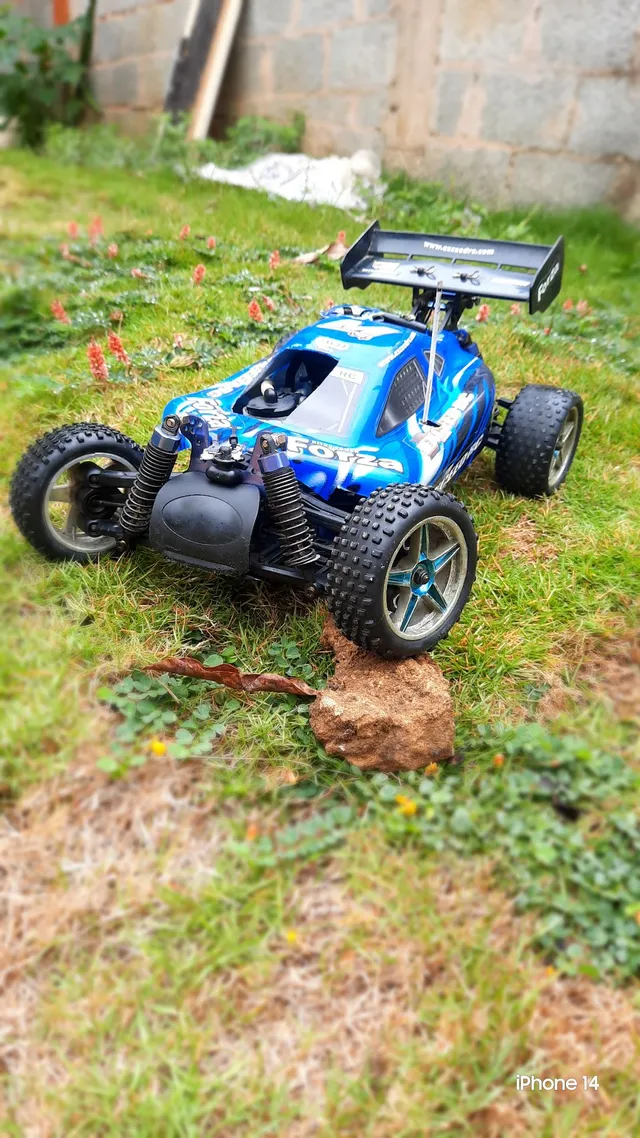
[(136, 42), (534, 100), (510, 100), (332, 59)]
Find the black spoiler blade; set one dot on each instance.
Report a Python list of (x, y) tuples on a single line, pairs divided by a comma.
[(502, 270)]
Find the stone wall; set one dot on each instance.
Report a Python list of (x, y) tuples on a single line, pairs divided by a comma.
[(511, 100), (136, 43)]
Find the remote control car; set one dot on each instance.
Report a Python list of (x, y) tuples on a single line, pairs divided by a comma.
[(327, 463)]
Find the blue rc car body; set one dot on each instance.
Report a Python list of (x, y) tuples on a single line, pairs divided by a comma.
[(360, 427), (326, 463)]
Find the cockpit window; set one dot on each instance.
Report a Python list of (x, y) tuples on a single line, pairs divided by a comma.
[(304, 389), (331, 406), (405, 397)]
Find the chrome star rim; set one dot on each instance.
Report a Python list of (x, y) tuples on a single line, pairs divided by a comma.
[(564, 448), (425, 578), (60, 506)]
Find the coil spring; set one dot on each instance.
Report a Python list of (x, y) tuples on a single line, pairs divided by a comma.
[(155, 469), (285, 505)]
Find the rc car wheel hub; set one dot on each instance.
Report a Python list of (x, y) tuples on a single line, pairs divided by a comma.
[(426, 577)]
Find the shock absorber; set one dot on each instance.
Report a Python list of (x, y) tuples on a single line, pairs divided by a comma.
[(157, 464), (285, 502)]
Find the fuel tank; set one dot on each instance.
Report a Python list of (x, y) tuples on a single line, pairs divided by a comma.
[(205, 524)]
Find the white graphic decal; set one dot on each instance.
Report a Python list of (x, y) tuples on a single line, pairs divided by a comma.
[(359, 330), (429, 440), (397, 351), (331, 347), (459, 250), (205, 406), (450, 474), (511, 281), (389, 268), (545, 284), (459, 374), (348, 373), (349, 459)]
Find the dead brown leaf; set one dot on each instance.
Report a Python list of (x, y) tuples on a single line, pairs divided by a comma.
[(231, 677), (335, 251)]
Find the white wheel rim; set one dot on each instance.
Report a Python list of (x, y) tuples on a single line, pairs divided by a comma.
[(425, 578), (564, 448), (60, 512)]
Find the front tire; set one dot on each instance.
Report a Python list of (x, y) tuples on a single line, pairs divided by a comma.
[(402, 569), (538, 440), (50, 499)]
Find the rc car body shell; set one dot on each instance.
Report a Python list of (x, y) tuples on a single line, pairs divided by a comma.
[(353, 453), (327, 463)]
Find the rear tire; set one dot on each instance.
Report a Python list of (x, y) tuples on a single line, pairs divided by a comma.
[(402, 569), (48, 498), (538, 440)]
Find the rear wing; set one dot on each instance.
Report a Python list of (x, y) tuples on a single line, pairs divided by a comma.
[(503, 270)]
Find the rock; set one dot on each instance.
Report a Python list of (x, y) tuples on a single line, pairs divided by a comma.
[(386, 715)]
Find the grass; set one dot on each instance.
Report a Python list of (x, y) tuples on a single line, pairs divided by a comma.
[(182, 979)]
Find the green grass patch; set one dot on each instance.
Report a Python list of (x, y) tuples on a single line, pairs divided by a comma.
[(174, 991)]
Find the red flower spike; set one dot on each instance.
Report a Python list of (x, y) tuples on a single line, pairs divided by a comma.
[(96, 229), (255, 312), (342, 237), (211, 242), (116, 347), (112, 250), (483, 314), (198, 274), (178, 340), (515, 309), (184, 232), (567, 305), (97, 363), (57, 308), (73, 229), (137, 273), (274, 259), (268, 303), (583, 308)]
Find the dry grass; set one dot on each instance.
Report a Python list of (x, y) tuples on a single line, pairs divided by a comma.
[(384, 977), (523, 540), (603, 668), (81, 855)]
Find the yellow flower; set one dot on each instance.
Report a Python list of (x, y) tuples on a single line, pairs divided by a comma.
[(401, 799), (432, 768), (291, 936), (551, 972), (498, 760), (408, 807), (157, 747)]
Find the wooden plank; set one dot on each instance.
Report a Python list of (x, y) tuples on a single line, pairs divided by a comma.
[(192, 55), (213, 74)]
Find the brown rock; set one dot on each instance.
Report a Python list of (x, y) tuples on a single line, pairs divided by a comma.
[(386, 715)]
